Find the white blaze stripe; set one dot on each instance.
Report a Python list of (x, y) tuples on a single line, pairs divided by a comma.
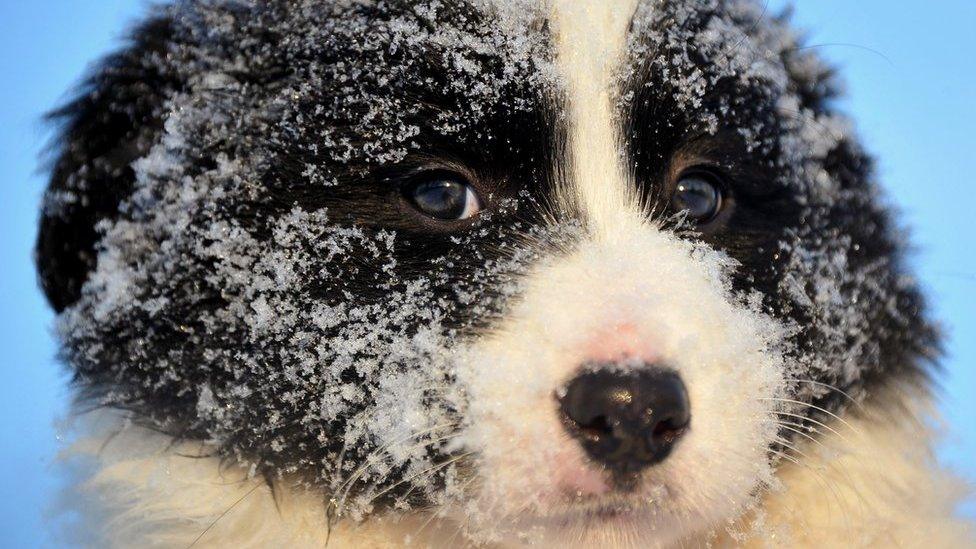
[(591, 38)]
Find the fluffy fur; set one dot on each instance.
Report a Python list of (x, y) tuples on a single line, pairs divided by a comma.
[(292, 353), (871, 483)]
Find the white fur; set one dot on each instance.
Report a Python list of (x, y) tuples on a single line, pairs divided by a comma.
[(643, 298), (591, 37), (630, 293)]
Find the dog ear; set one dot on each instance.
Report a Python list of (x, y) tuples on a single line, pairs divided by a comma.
[(114, 120)]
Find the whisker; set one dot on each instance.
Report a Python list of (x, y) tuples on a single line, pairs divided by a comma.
[(804, 435), (224, 514), (845, 45), (806, 428), (431, 442), (747, 35), (818, 408), (824, 425), (786, 444), (441, 439), (429, 471), (379, 452), (828, 386)]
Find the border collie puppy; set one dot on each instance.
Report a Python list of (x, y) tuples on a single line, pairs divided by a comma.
[(366, 273)]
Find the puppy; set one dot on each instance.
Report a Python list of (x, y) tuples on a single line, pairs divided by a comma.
[(484, 272)]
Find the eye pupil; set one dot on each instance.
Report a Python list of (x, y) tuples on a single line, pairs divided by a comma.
[(699, 196), (445, 199)]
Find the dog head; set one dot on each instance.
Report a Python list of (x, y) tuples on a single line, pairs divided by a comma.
[(558, 270)]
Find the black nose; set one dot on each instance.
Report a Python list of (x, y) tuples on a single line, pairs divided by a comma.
[(626, 419)]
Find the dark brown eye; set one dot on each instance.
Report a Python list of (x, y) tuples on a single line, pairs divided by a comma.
[(444, 196), (699, 194)]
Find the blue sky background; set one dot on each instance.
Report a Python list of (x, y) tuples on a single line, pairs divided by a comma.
[(912, 84)]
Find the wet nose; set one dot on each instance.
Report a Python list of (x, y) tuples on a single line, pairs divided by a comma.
[(627, 419)]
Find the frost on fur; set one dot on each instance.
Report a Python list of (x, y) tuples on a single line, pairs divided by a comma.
[(262, 285)]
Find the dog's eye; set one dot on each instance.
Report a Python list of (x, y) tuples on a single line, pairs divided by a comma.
[(447, 197), (700, 195)]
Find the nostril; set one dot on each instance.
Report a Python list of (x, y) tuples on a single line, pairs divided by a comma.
[(669, 430), (597, 427), (626, 419)]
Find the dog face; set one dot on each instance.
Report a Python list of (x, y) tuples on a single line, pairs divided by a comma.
[(560, 270)]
